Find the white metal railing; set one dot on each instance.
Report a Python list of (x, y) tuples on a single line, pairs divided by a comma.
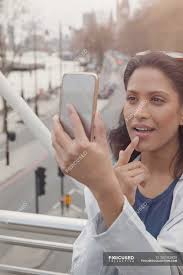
[(37, 223), (23, 270), (38, 129), (36, 243)]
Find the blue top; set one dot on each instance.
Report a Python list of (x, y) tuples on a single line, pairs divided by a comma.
[(154, 212)]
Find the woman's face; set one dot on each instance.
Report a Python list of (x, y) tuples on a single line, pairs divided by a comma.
[(152, 103)]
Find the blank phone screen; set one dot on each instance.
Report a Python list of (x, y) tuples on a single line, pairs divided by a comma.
[(78, 90)]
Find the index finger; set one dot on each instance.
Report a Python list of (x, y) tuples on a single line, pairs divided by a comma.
[(131, 147)]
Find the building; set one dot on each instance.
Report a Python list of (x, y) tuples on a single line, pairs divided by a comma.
[(122, 13), (1, 5), (100, 17), (1, 27), (89, 18)]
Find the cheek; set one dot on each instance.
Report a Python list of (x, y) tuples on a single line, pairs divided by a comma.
[(166, 118), (167, 127), (128, 112)]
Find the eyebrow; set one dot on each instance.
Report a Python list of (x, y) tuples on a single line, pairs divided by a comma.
[(152, 92)]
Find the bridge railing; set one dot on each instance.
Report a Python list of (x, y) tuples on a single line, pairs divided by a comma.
[(36, 223)]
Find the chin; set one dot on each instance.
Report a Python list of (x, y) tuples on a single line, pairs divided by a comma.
[(144, 148)]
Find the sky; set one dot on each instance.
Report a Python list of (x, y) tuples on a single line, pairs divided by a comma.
[(69, 12)]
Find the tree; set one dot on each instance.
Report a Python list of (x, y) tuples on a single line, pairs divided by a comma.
[(95, 37), (155, 27)]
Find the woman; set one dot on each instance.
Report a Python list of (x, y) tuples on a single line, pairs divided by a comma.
[(137, 204)]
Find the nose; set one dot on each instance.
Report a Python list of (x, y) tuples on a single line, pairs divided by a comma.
[(142, 111)]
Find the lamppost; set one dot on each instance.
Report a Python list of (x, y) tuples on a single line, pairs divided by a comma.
[(49, 63), (5, 119), (35, 69), (10, 136), (60, 52), (21, 78), (50, 77)]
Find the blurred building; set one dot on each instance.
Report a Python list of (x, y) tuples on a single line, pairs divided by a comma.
[(122, 13), (89, 18), (103, 17), (35, 41), (100, 17), (1, 25), (1, 5), (66, 42)]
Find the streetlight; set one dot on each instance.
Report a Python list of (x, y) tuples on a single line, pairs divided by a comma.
[(50, 78), (21, 83), (35, 69), (10, 136), (21, 77), (3, 69), (49, 65), (60, 52)]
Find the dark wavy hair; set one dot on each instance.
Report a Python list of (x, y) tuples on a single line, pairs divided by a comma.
[(173, 69)]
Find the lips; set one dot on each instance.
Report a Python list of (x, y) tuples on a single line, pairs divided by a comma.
[(142, 127), (143, 134)]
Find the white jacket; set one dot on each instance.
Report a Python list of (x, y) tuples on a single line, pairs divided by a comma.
[(127, 234)]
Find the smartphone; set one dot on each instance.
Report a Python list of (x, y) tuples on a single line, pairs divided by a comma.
[(80, 90)]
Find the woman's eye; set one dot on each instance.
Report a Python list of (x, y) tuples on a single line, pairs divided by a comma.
[(130, 98), (157, 99)]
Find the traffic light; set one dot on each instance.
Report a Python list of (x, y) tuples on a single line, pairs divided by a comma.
[(40, 180), (60, 173), (11, 136)]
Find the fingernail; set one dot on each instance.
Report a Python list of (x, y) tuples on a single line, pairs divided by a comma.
[(136, 138)]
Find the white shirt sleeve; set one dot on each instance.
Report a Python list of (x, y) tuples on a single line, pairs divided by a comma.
[(127, 234), (91, 204)]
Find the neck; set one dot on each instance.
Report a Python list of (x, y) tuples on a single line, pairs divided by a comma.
[(159, 161)]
